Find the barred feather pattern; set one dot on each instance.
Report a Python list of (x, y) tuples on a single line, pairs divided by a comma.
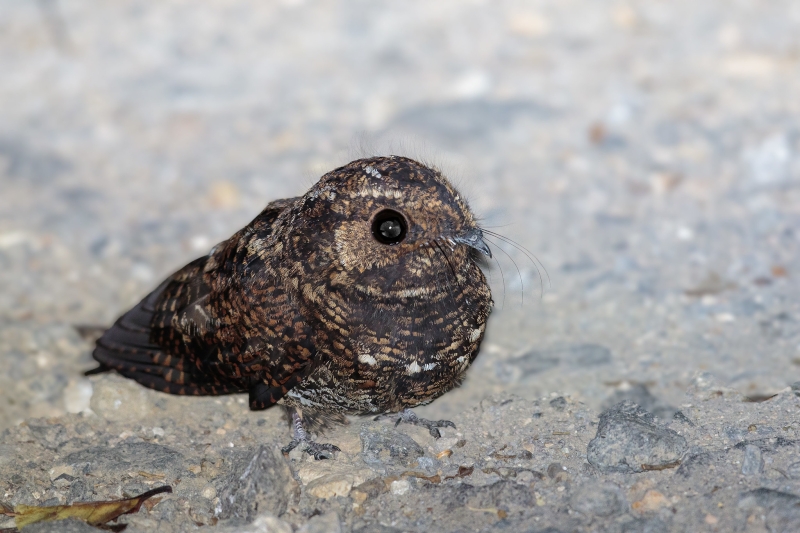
[(306, 306)]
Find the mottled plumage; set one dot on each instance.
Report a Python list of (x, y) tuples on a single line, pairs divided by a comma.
[(363, 296)]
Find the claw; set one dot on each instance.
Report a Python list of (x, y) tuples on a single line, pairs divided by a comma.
[(291, 446), (318, 450), (321, 451), (409, 417)]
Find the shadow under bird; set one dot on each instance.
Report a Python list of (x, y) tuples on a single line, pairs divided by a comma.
[(363, 296)]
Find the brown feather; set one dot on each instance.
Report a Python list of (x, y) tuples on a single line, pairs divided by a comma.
[(308, 306)]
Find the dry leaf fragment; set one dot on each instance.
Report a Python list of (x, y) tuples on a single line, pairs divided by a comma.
[(148, 475), (463, 471), (665, 466), (436, 478), (93, 513)]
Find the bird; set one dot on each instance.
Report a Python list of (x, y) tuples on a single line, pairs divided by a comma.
[(364, 296)]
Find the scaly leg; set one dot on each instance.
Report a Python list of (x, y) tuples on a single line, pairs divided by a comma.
[(300, 436), (407, 416)]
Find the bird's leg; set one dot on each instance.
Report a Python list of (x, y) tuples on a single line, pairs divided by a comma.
[(407, 416), (300, 436)]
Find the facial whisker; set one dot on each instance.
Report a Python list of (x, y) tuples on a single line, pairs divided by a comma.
[(522, 283), (455, 276), (528, 253), (498, 226), (503, 279), (452, 268)]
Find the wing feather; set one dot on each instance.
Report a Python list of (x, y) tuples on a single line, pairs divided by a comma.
[(204, 331)]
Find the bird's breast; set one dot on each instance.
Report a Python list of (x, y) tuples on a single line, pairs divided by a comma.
[(378, 354)]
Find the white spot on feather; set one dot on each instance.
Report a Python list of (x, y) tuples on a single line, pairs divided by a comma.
[(429, 366), (367, 359), (413, 368), (475, 335), (372, 171)]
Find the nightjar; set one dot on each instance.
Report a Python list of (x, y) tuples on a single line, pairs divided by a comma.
[(363, 296)]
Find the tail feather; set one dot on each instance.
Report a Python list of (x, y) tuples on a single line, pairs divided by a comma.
[(173, 383), (127, 348)]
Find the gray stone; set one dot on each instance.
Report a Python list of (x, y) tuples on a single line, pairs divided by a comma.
[(559, 403), (680, 417), (78, 491), (428, 464), (782, 508), (752, 462), (767, 444), (629, 440), (138, 456), (51, 436), (641, 396), (382, 445), (261, 480)]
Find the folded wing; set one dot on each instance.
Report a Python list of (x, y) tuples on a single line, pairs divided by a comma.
[(222, 324)]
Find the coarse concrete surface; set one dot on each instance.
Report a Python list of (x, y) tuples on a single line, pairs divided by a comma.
[(647, 154)]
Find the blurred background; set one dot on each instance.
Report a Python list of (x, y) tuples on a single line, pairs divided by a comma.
[(648, 153)]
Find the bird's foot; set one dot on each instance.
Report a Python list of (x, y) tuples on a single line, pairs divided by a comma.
[(300, 436), (408, 416), (318, 450)]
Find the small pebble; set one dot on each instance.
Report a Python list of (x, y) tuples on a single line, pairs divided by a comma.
[(651, 501), (752, 463), (209, 492), (400, 487)]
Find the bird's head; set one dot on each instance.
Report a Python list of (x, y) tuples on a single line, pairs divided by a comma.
[(391, 225)]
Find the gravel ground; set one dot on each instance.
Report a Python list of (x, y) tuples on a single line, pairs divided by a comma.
[(648, 153)]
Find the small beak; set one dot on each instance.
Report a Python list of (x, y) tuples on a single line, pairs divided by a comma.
[(474, 239)]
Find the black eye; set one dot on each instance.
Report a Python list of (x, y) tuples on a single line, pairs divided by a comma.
[(389, 227)]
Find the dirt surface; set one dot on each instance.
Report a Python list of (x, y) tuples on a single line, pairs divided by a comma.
[(647, 153)]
